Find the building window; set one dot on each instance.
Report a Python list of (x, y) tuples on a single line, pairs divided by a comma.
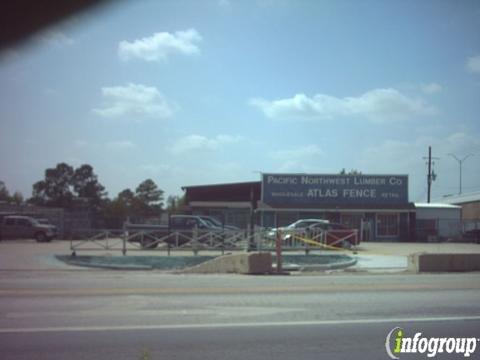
[(387, 225)]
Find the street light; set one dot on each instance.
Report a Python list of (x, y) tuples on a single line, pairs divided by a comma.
[(460, 162)]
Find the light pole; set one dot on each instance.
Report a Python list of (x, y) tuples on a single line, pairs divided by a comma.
[(460, 162)]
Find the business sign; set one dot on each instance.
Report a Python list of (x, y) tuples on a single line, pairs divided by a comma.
[(317, 190)]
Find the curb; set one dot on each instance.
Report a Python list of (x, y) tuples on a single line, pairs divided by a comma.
[(323, 267)]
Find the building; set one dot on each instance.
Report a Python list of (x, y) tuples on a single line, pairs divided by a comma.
[(377, 202), (470, 203), (233, 204), (436, 222)]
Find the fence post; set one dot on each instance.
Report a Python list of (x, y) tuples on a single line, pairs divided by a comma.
[(194, 240), (125, 237), (71, 244), (278, 250), (356, 242)]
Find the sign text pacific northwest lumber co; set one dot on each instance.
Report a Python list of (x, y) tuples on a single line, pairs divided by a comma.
[(305, 189)]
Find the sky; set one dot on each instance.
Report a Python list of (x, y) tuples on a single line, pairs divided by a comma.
[(216, 91)]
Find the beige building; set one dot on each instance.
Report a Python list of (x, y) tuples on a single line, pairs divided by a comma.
[(470, 203)]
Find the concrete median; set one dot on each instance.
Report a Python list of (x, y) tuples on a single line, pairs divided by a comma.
[(249, 263), (423, 262)]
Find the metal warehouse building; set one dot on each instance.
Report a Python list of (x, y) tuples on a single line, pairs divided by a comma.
[(376, 203)]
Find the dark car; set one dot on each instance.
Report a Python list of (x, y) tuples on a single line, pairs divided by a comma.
[(180, 230), (214, 222), (25, 227)]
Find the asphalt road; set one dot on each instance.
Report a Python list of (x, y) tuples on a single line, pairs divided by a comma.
[(145, 315)]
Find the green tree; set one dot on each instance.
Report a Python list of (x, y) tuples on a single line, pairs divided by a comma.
[(149, 198), (17, 198), (123, 205), (351, 172), (85, 184), (56, 188), (63, 184), (4, 194)]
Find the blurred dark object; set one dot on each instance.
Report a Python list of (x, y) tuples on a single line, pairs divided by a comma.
[(472, 235), (21, 18)]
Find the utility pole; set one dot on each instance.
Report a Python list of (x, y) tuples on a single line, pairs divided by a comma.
[(431, 176), (460, 162)]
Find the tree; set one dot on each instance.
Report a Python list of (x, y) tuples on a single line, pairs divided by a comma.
[(149, 197), (175, 204), (4, 194), (62, 185), (17, 198), (117, 210), (85, 184), (351, 172), (56, 188), (127, 198), (123, 205)]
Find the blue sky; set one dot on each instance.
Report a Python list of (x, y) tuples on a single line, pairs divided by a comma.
[(199, 92)]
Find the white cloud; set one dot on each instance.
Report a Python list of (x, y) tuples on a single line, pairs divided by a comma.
[(297, 153), (160, 45), (431, 88), (376, 105), (199, 142), (473, 64), (56, 38), (120, 145), (298, 159), (134, 100)]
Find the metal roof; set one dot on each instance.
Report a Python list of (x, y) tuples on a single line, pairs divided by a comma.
[(462, 198), (246, 183), (436, 206)]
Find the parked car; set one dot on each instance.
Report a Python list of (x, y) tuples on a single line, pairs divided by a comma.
[(26, 227), (184, 225), (216, 223), (295, 227)]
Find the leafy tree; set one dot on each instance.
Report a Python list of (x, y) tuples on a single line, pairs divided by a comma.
[(351, 172), (149, 197), (63, 184), (122, 206), (4, 194), (56, 188), (85, 184)]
